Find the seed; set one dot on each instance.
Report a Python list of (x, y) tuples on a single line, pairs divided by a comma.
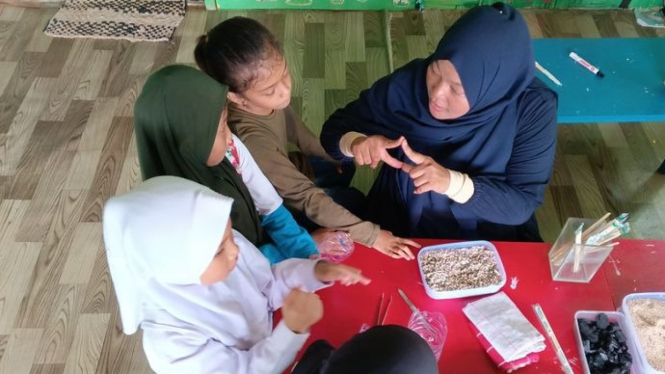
[(460, 269)]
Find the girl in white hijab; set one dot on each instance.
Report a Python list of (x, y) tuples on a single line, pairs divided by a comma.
[(201, 292)]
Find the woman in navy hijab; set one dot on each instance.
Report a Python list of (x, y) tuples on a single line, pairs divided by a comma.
[(467, 136)]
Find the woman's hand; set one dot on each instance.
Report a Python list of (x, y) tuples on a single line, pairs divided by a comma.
[(427, 174), (393, 246), (346, 275), (373, 149)]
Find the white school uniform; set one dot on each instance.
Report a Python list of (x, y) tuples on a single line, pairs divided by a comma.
[(160, 237), (265, 197)]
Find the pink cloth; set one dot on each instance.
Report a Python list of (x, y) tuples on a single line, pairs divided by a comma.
[(508, 367)]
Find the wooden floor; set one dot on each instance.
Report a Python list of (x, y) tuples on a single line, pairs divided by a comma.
[(66, 145)]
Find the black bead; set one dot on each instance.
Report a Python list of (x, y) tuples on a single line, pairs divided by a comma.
[(599, 361), (602, 321), (605, 346)]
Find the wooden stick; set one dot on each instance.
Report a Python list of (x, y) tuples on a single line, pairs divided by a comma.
[(560, 254), (548, 74), (609, 226), (378, 315), (604, 247), (578, 257), (599, 247), (565, 365), (385, 313), (578, 249), (602, 244), (590, 229)]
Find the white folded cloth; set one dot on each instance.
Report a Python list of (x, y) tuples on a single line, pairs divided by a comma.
[(505, 327)]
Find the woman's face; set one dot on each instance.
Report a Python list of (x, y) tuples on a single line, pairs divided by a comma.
[(222, 141), (271, 90), (224, 261), (447, 99)]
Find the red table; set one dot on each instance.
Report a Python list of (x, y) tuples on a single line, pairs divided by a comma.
[(347, 308)]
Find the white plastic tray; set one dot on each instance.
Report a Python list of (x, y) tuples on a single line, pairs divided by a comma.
[(615, 317), (441, 295), (648, 369)]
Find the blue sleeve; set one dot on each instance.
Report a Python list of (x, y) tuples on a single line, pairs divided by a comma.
[(289, 239), (513, 200), (272, 253)]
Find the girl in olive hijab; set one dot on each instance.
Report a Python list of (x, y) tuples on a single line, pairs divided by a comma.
[(181, 130)]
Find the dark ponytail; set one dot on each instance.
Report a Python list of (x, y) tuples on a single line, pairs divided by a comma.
[(233, 51)]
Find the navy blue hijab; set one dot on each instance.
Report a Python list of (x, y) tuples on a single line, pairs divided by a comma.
[(491, 50)]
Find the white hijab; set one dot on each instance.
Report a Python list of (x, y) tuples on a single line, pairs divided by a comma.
[(165, 231)]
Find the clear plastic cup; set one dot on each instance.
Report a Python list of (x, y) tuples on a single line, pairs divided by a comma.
[(433, 330), (336, 246)]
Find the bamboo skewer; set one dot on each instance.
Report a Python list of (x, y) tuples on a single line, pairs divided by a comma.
[(548, 74), (561, 252), (591, 240), (385, 312), (594, 250), (588, 231), (578, 248), (381, 317), (378, 314)]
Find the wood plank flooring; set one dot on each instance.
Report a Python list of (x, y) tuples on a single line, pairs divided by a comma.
[(66, 145)]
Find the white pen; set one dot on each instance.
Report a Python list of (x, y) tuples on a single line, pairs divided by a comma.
[(587, 65)]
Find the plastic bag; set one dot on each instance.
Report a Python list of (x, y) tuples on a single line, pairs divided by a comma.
[(336, 246)]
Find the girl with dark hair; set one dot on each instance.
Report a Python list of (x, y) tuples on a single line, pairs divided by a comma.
[(243, 54)]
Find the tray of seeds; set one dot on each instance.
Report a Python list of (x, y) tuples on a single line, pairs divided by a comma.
[(451, 271)]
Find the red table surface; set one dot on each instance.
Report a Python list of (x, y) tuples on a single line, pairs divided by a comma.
[(347, 308), (636, 266)]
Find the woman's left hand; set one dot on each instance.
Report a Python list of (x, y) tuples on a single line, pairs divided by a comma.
[(346, 275), (427, 174)]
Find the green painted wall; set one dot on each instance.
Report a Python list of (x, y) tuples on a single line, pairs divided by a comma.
[(397, 5)]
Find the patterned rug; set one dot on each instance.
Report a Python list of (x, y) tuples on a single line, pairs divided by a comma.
[(134, 20)]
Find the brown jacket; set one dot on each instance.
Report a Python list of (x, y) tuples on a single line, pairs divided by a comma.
[(266, 137)]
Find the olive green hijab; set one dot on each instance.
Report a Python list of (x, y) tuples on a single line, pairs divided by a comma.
[(176, 120)]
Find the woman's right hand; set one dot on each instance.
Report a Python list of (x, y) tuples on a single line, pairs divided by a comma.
[(373, 149), (301, 310), (393, 246)]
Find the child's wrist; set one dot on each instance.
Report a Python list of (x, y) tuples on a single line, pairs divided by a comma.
[(320, 271)]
